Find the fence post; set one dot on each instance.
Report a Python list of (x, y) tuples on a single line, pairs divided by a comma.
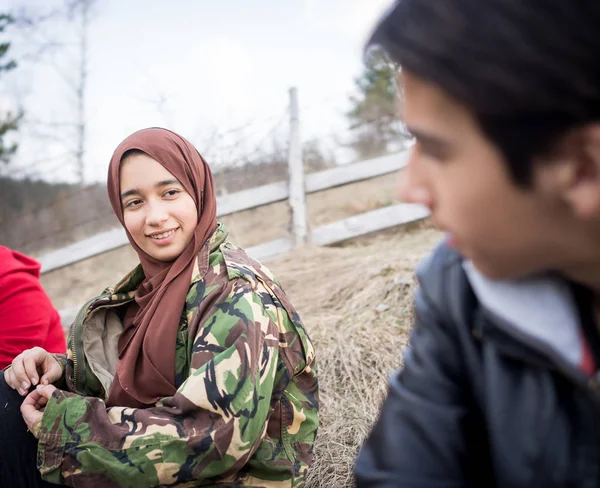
[(297, 198)]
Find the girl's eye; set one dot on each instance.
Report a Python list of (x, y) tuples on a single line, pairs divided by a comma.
[(171, 193), (133, 203)]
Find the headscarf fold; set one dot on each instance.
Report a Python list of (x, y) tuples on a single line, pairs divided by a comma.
[(146, 367)]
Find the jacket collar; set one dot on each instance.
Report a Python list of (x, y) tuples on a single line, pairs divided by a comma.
[(540, 310), (130, 282)]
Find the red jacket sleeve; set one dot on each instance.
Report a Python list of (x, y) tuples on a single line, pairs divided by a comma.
[(27, 317)]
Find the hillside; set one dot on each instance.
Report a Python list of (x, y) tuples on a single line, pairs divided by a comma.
[(43, 216)]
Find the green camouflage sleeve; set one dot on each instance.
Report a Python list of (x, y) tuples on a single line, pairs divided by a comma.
[(208, 430), (61, 359)]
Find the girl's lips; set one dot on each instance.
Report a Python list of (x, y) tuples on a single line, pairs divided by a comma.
[(165, 241)]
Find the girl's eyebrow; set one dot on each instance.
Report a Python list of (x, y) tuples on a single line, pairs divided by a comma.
[(136, 191), (167, 183), (128, 193)]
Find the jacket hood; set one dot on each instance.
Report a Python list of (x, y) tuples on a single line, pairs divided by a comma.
[(13, 261)]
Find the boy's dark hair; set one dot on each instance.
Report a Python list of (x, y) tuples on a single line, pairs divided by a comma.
[(529, 70)]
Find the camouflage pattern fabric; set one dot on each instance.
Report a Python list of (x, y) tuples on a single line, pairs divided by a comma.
[(246, 409)]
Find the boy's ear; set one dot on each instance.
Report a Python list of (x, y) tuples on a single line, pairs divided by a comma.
[(573, 172)]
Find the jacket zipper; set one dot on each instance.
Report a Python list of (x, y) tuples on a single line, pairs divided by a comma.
[(77, 340), (76, 329)]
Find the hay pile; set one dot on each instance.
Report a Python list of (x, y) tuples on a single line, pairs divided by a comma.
[(356, 302)]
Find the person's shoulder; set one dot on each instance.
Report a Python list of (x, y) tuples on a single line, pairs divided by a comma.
[(17, 270), (444, 284), (240, 265), (441, 265), (20, 284), (228, 268)]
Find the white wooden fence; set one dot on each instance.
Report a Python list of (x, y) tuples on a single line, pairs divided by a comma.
[(294, 191)]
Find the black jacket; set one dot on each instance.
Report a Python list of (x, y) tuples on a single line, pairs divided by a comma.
[(492, 393)]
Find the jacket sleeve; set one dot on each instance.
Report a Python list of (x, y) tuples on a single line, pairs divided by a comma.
[(207, 430), (419, 439)]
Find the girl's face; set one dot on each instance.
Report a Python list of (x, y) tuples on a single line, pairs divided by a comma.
[(159, 213)]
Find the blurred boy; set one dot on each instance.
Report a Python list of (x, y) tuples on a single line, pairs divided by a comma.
[(500, 384)]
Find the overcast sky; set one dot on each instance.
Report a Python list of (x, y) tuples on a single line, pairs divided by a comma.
[(198, 67)]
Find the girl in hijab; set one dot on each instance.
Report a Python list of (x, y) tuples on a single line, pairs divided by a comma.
[(194, 370)]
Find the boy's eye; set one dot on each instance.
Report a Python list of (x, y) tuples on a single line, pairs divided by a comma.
[(429, 152)]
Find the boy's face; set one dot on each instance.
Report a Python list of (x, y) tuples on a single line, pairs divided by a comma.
[(507, 231)]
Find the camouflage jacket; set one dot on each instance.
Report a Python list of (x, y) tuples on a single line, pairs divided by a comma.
[(245, 411)]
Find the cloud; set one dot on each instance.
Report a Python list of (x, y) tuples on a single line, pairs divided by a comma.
[(215, 72), (199, 88)]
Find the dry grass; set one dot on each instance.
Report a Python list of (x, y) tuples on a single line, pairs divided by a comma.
[(356, 302)]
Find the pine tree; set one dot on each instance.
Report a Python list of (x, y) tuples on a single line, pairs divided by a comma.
[(373, 115), (8, 122)]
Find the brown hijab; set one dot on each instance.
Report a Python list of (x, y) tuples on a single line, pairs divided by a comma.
[(146, 367)]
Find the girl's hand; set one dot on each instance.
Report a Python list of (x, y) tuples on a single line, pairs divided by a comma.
[(31, 367), (33, 406)]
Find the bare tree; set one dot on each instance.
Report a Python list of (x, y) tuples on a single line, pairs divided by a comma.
[(54, 43), (58, 38), (79, 12), (8, 121)]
